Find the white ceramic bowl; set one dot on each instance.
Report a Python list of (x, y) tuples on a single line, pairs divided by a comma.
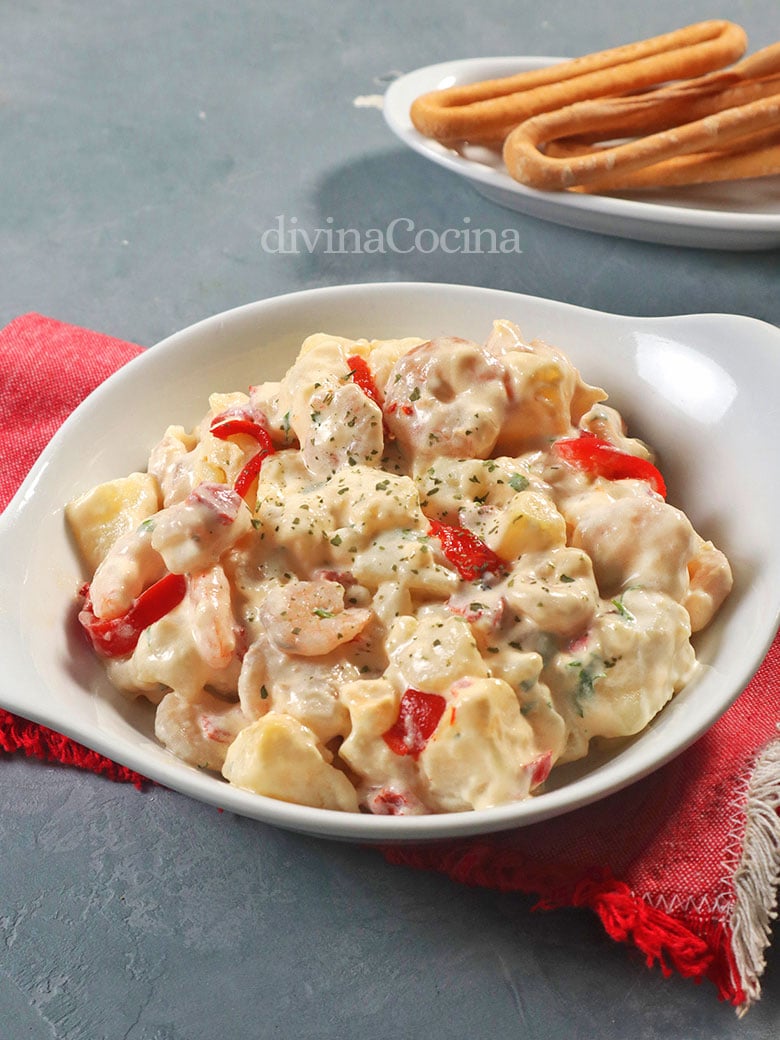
[(701, 388)]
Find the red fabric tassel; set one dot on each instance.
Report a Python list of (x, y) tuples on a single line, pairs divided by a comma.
[(39, 742)]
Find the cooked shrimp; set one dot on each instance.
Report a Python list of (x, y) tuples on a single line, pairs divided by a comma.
[(341, 426), (711, 582), (193, 534), (304, 687), (308, 618), (268, 399), (200, 730), (187, 536), (132, 563), (171, 462), (446, 397), (608, 424), (253, 680), (545, 392), (213, 623), (633, 538)]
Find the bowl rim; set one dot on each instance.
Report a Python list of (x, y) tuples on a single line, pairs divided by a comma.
[(354, 827)]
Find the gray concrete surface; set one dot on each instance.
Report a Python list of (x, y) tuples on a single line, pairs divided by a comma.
[(146, 149)]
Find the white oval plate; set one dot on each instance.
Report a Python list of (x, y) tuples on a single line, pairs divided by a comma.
[(738, 215), (701, 388)]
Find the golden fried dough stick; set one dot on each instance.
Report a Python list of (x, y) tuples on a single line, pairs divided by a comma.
[(756, 155), (707, 123), (485, 112), (750, 79)]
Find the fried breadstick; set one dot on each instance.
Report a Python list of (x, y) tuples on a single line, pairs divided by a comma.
[(750, 79), (706, 124), (757, 155), (486, 112)]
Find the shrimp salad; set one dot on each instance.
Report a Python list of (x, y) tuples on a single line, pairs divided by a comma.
[(410, 577)]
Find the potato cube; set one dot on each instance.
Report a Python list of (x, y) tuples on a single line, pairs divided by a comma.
[(101, 516), (483, 751), (279, 757), (528, 523)]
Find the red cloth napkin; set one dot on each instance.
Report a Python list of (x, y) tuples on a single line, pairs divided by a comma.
[(683, 864)]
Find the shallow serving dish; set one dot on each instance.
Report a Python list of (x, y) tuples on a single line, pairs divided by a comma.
[(738, 215), (701, 388)]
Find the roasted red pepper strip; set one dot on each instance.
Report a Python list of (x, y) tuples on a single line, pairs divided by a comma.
[(469, 555), (229, 424), (540, 768), (600, 458), (361, 376), (116, 637), (252, 468), (418, 717)]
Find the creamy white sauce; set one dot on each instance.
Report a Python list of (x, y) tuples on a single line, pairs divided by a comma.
[(316, 606)]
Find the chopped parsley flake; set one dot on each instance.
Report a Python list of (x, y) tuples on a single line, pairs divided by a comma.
[(622, 609), (586, 679)]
